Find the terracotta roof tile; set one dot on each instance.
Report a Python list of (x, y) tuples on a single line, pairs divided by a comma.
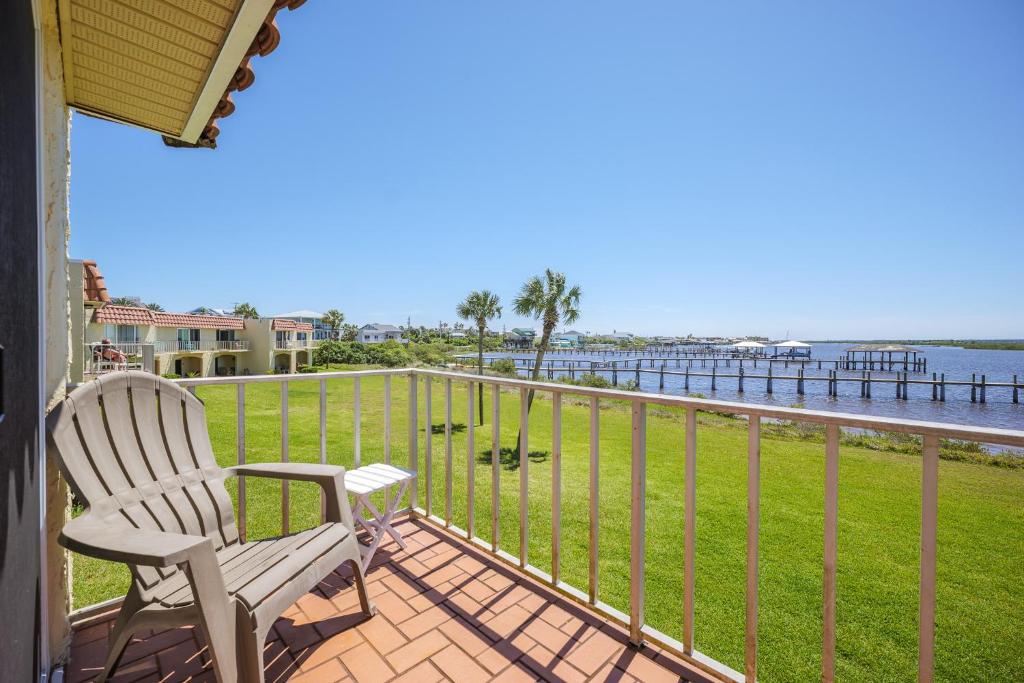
[(268, 37), (94, 287), (285, 324), (128, 315)]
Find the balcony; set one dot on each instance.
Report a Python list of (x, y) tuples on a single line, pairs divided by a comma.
[(199, 346), (622, 538), (295, 344), (444, 606)]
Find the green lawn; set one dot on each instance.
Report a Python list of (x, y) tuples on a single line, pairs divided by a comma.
[(981, 527)]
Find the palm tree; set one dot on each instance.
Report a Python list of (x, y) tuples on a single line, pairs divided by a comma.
[(551, 301), (480, 307), (125, 301), (155, 307), (245, 310), (333, 318)]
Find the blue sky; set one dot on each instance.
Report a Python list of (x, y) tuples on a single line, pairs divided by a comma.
[(827, 169)]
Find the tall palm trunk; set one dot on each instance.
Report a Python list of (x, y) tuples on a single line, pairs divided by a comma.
[(535, 376), (480, 370)]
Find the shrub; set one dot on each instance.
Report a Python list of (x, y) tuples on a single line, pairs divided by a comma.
[(505, 367), (390, 354), (171, 375), (333, 351), (429, 354), (308, 368)]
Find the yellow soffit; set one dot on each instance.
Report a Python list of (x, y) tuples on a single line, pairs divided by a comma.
[(162, 65)]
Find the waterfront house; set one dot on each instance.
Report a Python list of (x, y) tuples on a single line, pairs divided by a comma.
[(520, 337), (321, 330), (377, 333), (166, 343), (572, 336)]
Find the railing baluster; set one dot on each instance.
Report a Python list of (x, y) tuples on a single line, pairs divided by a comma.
[(753, 520), (690, 531), (470, 482), (448, 452), (387, 434), (828, 653), (284, 457), (428, 446), (638, 523), (357, 427), (929, 520), (556, 485), (595, 452), (240, 438), (414, 441), (495, 464), (323, 444), (524, 477)]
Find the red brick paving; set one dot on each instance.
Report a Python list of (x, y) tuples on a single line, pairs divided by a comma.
[(446, 612)]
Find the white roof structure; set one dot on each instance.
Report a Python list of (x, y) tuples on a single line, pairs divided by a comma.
[(792, 344), (300, 314), (748, 345)]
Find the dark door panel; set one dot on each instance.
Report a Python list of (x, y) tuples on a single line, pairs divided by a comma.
[(19, 337)]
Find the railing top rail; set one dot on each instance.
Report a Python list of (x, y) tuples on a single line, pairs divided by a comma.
[(989, 435)]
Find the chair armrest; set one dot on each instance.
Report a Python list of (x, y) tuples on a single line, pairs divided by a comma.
[(296, 471), (331, 479), (91, 535)]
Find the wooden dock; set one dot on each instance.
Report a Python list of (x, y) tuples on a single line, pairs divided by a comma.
[(865, 381), (738, 361)]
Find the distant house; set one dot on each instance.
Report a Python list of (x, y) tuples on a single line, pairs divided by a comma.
[(570, 338), (520, 337), (376, 333), (458, 334), (320, 329)]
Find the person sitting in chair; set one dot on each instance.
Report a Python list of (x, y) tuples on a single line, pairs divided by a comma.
[(111, 353)]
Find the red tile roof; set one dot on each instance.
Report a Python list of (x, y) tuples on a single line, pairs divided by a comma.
[(94, 287), (128, 315), (266, 41), (285, 324)]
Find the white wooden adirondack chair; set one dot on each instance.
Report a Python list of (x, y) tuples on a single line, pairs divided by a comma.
[(135, 449)]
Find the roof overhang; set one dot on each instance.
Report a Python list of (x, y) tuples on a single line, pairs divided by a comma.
[(164, 65)]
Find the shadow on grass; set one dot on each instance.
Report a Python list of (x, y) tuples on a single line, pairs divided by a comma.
[(439, 429), (509, 457)]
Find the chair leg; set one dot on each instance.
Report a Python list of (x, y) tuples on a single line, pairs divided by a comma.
[(250, 649), (121, 634), (368, 607)]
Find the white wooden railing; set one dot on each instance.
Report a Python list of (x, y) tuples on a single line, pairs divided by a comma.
[(930, 432)]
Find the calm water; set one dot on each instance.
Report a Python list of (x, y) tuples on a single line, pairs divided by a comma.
[(957, 363)]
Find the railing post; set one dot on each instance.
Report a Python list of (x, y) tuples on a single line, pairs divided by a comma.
[(638, 524), (428, 446), (495, 464), (470, 464), (929, 520), (414, 442), (556, 485), (524, 478), (323, 444), (240, 442), (690, 537), (828, 655), (357, 423), (448, 452), (753, 520), (284, 457), (595, 478)]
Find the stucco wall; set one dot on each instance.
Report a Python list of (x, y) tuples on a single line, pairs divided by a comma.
[(56, 173)]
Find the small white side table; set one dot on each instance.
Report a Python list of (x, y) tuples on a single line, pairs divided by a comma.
[(365, 481)]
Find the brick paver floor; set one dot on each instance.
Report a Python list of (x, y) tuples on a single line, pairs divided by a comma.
[(445, 612)]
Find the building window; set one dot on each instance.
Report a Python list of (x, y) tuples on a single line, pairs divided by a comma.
[(226, 335), (121, 334)]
